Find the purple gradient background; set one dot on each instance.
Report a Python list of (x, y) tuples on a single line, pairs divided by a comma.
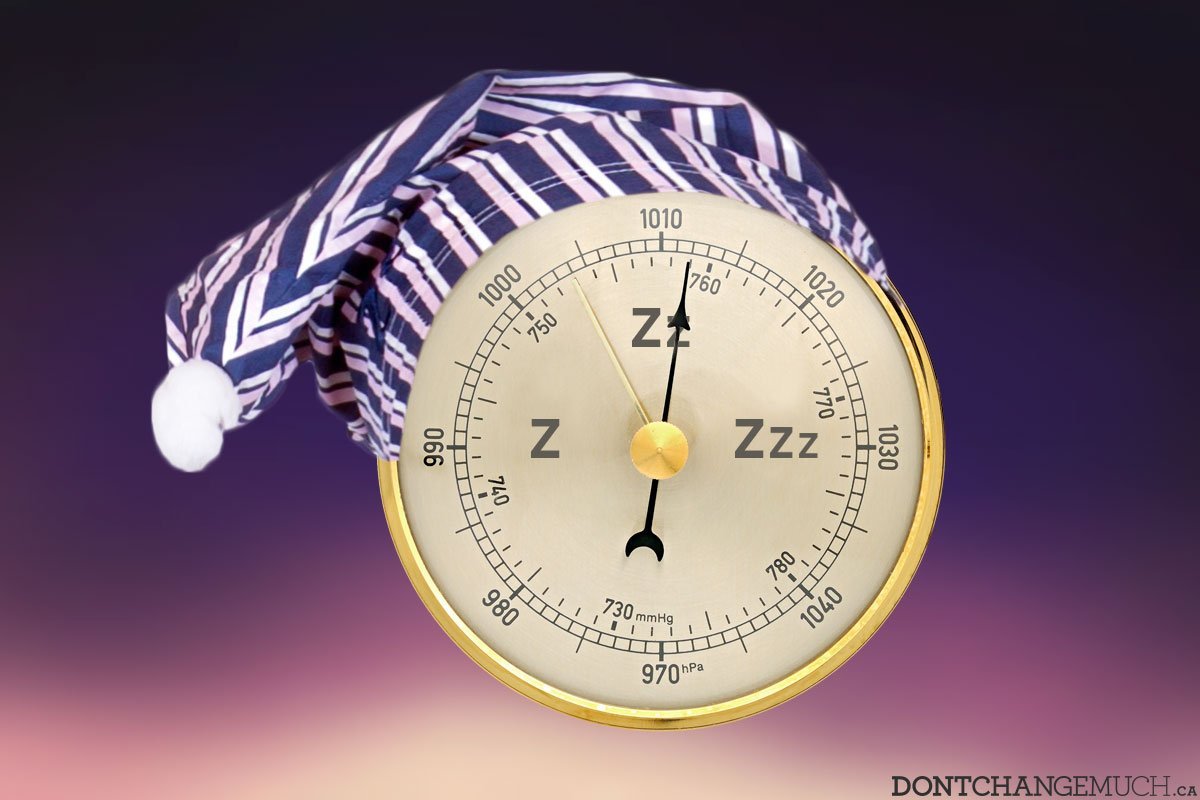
[(249, 632)]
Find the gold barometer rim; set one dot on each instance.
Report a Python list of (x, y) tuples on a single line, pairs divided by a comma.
[(933, 465)]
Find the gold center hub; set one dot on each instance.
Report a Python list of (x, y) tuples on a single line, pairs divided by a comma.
[(659, 450)]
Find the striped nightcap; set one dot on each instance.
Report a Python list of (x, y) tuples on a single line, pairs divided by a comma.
[(349, 274)]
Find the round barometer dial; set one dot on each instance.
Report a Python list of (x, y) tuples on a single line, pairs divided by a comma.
[(668, 460)]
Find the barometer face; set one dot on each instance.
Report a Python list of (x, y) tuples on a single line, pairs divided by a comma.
[(709, 564)]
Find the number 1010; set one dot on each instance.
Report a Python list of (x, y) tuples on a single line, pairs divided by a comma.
[(655, 218)]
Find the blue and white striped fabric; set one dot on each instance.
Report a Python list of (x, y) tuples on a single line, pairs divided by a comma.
[(350, 273)]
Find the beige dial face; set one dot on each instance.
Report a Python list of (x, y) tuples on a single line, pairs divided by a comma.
[(779, 521)]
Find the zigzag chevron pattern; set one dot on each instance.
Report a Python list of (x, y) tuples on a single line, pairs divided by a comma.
[(349, 274)]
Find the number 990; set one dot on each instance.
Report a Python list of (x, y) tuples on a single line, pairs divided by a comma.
[(433, 447)]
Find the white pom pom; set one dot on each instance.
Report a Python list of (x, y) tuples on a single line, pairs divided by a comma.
[(192, 408)]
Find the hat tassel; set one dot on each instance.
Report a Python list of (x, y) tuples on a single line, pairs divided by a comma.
[(192, 408)]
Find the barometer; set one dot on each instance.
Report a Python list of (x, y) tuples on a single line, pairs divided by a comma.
[(669, 460), (658, 441)]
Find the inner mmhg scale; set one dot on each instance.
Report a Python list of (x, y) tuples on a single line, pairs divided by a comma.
[(669, 459)]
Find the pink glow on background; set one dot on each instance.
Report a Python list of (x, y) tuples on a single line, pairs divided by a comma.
[(330, 680)]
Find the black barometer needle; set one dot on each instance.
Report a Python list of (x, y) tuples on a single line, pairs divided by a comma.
[(646, 537)]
